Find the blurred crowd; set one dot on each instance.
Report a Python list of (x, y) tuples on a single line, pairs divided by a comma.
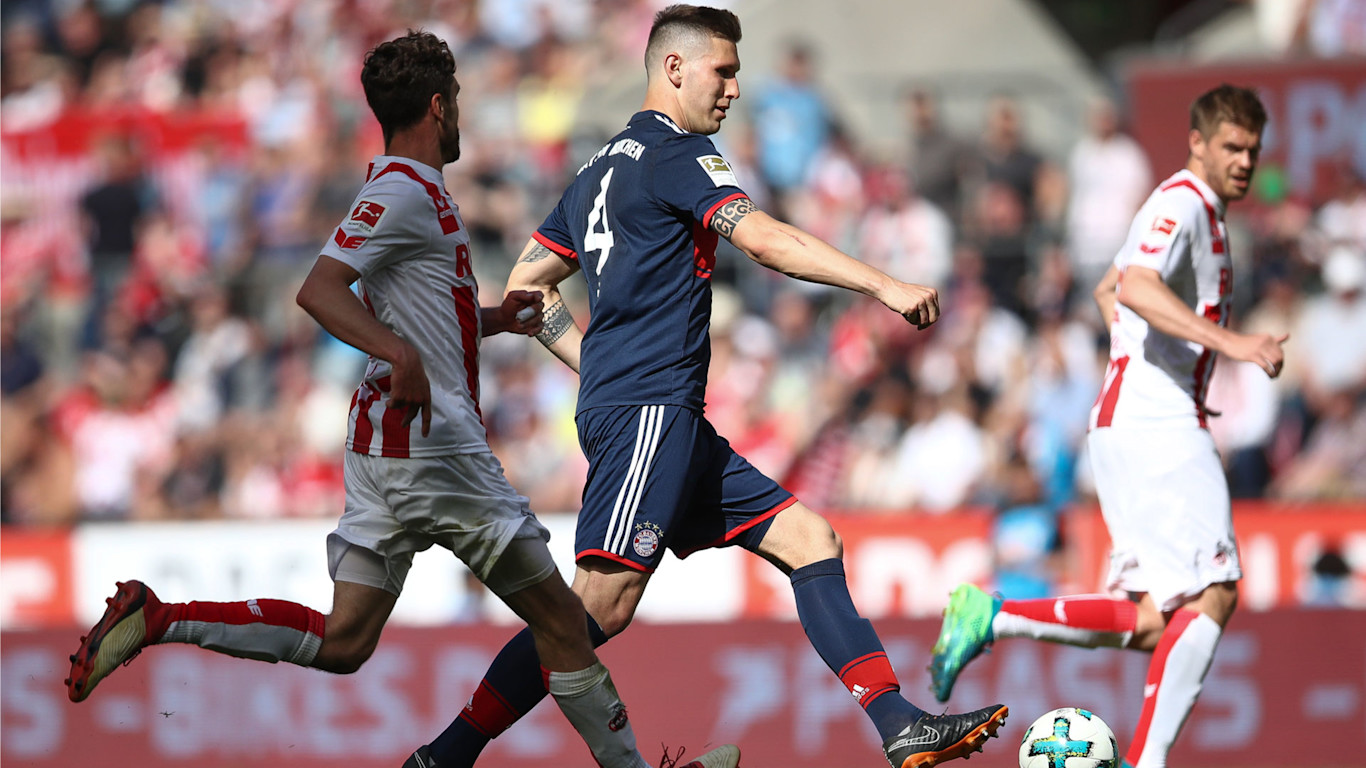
[(155, 365)]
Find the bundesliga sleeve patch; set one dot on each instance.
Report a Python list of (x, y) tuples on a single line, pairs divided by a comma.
[(719, 170), (366, 217), (1159, 235)]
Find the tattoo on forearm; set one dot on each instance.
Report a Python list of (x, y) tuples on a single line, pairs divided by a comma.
[(556, 320), (724, 220), (538, 252)]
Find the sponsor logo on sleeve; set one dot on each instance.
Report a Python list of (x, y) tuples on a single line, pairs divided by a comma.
[(349, 242), (719, 170), (366, 216)]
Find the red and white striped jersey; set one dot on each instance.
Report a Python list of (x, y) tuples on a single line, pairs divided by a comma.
[(1156, 380), (405, 238)]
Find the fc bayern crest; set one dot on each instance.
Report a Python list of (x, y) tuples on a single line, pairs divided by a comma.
[(646, 540)]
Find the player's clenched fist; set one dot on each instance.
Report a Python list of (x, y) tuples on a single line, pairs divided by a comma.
[(525, 309), (919, 304), (1262, 349), (409, 390)]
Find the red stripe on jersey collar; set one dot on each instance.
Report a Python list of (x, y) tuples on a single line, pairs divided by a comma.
[(1216, 242), (444, 212)]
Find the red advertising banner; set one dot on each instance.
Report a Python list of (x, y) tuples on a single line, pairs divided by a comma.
[(75, 133), (1287, 689), (36, 570), (1316, 108), (899, 566)]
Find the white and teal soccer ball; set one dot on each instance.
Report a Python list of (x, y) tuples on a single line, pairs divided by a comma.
[(1069, 738)]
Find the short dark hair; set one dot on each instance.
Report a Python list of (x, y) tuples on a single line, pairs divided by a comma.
[(679, 20), (1227, 104), (401, 75)]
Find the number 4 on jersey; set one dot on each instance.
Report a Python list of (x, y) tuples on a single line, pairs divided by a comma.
[(593, 240)]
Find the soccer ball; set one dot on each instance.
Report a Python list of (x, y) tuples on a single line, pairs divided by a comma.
[(1069, 738)]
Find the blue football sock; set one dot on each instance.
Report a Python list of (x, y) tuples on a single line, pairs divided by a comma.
[(850, 646)]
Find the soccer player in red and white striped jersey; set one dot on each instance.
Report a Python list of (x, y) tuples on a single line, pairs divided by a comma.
[(1174, 567), (419, 470)]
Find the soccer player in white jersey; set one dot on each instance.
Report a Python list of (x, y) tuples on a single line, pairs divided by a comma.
[(418, 470), (1174, 565)]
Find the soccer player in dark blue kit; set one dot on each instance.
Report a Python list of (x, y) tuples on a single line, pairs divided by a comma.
[(641, 222)]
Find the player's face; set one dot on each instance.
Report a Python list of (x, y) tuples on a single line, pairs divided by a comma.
[(450, 128), (1227, 159), (709, 86)]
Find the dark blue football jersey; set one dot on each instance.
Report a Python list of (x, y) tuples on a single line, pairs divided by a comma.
[(636, 217)]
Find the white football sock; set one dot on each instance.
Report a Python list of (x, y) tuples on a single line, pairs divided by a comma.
[(590, 702), (1175, 675)]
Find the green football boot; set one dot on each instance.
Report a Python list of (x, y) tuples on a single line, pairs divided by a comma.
[(965, 632)]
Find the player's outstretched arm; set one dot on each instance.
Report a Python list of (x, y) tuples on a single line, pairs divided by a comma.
[(1143, 291), (541, 270), (787, 249), (1106, 295), (326, 295)]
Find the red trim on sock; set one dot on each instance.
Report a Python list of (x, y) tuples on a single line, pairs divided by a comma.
[(158, 616), (489, 712), (465, 715), (174, 612), (1179, 621), (276, 613), (860, 660), (868, 677), (1094, 612), (316, 623), (871, 695)]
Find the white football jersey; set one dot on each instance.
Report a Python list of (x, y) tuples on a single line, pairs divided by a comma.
[(1156, 380), (405, 238)]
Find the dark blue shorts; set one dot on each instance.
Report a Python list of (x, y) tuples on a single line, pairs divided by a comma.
[(660, 477)]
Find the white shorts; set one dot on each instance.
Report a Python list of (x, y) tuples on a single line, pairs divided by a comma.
[(1165, 501), (397, 507)]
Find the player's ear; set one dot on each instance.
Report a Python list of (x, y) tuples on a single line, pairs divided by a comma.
[(1195, 142), (673, 68), (437, 107)]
